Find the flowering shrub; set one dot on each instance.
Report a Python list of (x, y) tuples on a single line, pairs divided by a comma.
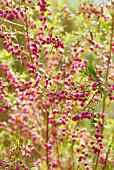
[(56, 86)]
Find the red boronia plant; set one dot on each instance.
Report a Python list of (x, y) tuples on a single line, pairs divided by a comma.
[(56, 86)]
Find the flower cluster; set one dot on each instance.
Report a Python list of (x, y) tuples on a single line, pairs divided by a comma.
[(55, 86)]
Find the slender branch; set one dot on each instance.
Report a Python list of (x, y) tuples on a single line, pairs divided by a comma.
[(47, 138), (106, 83), (90, 101), (13, 23), (107, 154), (58, 154), (27, 34), (107, 71), (72, 156)]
